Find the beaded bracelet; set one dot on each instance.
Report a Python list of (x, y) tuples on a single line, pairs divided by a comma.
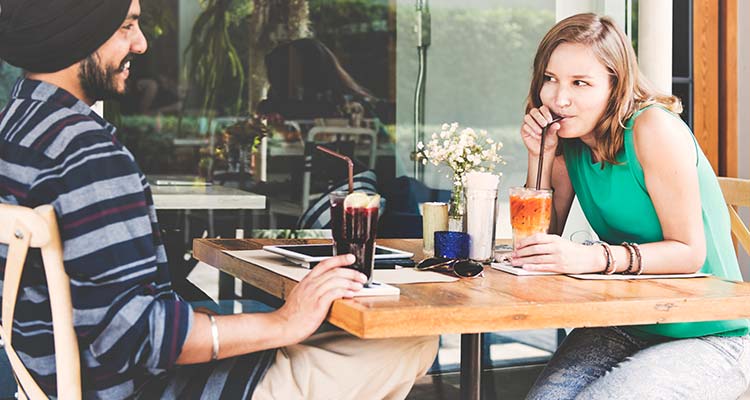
[(631, 250), (637, 250)]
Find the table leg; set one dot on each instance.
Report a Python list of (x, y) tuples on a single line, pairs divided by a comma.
[(471, 366), (226, 287)]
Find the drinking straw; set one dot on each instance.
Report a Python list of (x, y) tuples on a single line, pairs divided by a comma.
[(541, 154), (343, 157)]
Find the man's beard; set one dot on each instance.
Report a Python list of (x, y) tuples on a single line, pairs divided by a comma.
[(99, 81)]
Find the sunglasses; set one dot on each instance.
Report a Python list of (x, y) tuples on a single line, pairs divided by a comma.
[(462, 268)]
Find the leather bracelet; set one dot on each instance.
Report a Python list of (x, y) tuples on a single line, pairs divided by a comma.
[(610, 259), (214, 338), (607, 255), (631, 251), (637, 250)]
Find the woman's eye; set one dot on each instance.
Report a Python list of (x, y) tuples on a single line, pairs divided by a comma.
[(548, 78), (580, 83)]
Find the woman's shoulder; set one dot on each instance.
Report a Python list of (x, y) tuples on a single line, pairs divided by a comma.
[(657, 132)]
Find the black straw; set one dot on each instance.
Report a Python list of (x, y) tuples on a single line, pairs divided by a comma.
[(541, 154)]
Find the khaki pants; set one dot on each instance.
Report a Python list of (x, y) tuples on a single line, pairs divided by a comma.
[(336, 365)]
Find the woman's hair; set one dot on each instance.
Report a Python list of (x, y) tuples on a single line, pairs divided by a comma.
[(630, 90)]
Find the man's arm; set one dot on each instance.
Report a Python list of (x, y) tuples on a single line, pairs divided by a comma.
[(305, 309)]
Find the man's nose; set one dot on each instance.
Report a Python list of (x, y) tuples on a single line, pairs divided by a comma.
[(139, 44)]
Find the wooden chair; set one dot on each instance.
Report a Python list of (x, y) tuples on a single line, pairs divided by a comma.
[(737, 194), (21, 228)]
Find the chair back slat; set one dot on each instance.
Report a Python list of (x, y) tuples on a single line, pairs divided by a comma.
[(737, 194), (21, 228)]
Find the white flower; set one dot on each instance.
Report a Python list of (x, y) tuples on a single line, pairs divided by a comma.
[(461, 150)]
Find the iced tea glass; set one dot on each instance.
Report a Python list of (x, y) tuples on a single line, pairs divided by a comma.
[(530, 212)]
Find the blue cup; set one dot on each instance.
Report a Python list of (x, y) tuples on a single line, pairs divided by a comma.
[(450, 244)]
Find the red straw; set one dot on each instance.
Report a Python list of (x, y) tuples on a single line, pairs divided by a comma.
[(541, 154), (345, 158)]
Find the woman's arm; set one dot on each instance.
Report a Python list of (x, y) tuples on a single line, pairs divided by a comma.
[(668, 156), (666, 151)]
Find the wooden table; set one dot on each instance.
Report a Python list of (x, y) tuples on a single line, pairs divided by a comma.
[(498, 302)]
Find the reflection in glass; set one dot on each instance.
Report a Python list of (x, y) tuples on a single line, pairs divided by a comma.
[(328, 66)]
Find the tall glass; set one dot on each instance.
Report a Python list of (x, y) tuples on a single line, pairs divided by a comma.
[(337, 221), (530, 212), (360, 224)]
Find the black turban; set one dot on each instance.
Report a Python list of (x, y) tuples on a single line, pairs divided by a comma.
[(50, 35)]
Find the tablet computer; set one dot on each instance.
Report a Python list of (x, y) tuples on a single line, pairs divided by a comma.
[(310, 254)]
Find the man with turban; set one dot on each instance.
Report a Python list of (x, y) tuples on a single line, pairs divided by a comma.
[(136, 336)]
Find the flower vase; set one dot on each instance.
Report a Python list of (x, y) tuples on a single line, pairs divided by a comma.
[(457, 209)]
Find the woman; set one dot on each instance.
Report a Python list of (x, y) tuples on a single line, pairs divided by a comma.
[(651, 196)]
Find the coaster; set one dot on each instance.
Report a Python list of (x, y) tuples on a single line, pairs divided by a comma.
[(378, 289)]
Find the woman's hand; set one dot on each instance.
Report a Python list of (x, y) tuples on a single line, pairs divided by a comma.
[(308, 303), (531, 131), (551, 253)]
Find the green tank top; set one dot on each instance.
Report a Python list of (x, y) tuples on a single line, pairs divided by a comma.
[(618, 207)]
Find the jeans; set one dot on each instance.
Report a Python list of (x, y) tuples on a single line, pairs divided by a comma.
[(609, 363)]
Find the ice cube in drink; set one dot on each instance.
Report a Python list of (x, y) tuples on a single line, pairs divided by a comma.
[(530, 212)]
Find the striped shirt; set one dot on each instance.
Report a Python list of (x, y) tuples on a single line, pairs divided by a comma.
[(131, 326)]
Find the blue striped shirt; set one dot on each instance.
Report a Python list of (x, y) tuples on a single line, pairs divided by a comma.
[(131, 326)]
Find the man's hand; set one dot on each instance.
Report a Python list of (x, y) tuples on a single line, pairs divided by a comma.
[(308, 303)]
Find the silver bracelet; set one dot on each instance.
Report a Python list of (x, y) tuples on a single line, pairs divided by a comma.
[(214, 338)]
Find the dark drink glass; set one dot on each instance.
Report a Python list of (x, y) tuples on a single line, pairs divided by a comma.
[(358, 237), (337, 221)]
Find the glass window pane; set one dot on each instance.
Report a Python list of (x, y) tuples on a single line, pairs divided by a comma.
[(332, 64), (478, 72)]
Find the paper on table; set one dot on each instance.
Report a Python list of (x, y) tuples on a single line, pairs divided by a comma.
[(410, 275), (505, 267), (622, 277), (282, 266), (271, 262)]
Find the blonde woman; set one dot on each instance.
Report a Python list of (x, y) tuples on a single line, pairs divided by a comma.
[(650, 194)]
